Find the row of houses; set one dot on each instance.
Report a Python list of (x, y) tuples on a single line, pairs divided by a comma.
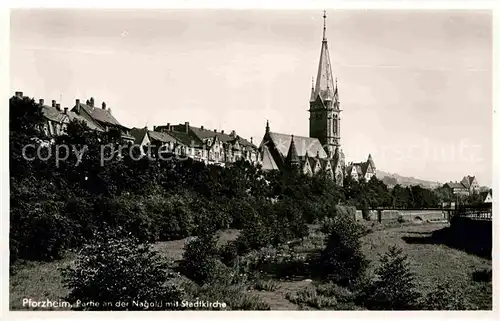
[(198, 143)]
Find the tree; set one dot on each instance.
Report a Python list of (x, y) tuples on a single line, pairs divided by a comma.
[(395, 287), (342, 260), (113, 269)]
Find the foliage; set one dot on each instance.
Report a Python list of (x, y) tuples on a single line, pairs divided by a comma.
[(201, 261), (114, 269), (270, 285), (446, 296), (342, 260), (309, 297), (395, 288), (235, 296)]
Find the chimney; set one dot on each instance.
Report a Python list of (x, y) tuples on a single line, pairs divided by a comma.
[(41, 101), (103, 105), (168, 127), (201, 127), (251, 141), (215, 130), (58, 107), (65, 110), (222, 132), (19, 94), (53, 103), (186, 125), (233, 133), (77, 104), (154, 128)]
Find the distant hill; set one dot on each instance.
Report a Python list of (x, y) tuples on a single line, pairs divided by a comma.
[(394, 179)]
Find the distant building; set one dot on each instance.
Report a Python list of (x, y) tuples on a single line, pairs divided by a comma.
[(56, 119), (101, 118), (467, 186), (361, 170)]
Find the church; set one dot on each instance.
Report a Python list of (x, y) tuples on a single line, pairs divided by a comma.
[(320, 152)]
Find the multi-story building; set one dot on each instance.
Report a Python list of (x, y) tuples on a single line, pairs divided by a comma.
[(199, 143), (467, 186), (56, 119)]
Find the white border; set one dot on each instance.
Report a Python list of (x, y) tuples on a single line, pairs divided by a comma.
[(247, 4)]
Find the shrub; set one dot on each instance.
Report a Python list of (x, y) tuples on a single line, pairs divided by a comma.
[(309, 297), (201, 260), (38, 231), (342, 260), (229, 253), (342, 294), (115, 269), (235, 296), (395, 287), (266, 285), (446, 297)]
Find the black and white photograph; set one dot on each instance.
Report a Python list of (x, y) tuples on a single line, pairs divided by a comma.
[(250, 159)]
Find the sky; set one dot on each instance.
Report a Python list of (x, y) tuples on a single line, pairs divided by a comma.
[(415, 86)]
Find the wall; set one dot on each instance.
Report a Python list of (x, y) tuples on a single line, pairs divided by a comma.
[(406, 215)]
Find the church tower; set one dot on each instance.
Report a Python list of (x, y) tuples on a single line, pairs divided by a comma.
[(324, 106)]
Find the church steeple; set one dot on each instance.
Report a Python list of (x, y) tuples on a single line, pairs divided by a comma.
[(324, 79), (324, 109)]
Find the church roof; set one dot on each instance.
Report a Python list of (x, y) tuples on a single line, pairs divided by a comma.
[(268, 162), (303, 145)]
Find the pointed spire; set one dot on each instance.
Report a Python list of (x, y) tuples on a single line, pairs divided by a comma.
[(267, 126), (324, 79), (292, 158), (313, 97), (324, 25)]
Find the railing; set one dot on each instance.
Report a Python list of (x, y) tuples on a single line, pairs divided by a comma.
[(477, 212)]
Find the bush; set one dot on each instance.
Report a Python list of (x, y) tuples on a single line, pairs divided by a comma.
[(235, 296), (342, 260), (115, 269), (38, 231), (342, 294), (201, 261), (395, 287), (309, 297), (266, 285), (446, 297)]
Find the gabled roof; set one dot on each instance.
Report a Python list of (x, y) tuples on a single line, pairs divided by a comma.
[(186, 139), (99, 114), (303, 145), (138, 134), (268, 162), (51, 113), (370, 161), (204, 133), (161, 137), (92, 125), (455, 185)]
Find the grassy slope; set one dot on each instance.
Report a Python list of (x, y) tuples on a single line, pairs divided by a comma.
[(432, 263)]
